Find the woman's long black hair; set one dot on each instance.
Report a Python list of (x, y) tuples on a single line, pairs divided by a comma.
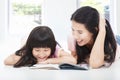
[(41, 36), (90, 18)]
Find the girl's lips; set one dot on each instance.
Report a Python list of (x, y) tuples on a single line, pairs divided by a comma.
[(41, 59)]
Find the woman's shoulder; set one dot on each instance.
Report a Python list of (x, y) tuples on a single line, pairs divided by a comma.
[(117, 52), (71, 42)]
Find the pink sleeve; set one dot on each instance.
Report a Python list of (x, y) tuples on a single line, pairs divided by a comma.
[(71, 43), (56, 51)]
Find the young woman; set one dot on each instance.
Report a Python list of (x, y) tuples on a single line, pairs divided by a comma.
[(41, 47), (92, 41)]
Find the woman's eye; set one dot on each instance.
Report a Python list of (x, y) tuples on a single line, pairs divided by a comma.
[(80, 32), (72, 29)]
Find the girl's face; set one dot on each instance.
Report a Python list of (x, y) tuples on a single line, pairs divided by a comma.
[(81, 34), (41, 54)]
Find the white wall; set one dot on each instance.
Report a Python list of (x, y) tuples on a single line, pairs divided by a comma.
[(3, 19), (56, 14), (118, 16), (115, 16)]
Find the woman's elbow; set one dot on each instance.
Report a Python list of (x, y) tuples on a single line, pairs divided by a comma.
[(96, 65)]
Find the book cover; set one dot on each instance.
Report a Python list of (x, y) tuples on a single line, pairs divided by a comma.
[(66, 66)]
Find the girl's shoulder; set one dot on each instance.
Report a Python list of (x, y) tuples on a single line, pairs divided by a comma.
[(56, 51), (19, 53)]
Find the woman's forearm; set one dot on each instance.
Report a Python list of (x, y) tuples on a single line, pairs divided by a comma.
[(97, 53)]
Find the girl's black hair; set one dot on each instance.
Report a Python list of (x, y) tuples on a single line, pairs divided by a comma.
[(90, 18), (41, 36)]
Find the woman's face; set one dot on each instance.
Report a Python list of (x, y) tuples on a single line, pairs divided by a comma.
[(41, 54), (81, 34)]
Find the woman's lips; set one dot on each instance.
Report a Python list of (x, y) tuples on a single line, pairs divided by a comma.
[(79, 42)]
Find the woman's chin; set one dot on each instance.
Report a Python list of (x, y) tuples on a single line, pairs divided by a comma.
[(80, 44)]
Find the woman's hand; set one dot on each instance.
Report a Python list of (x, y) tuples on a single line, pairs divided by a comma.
[(102, 24)]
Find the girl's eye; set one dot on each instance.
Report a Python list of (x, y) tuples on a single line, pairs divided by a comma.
[(46, 50), (37, 50)]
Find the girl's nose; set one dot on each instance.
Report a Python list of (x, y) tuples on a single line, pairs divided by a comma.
[(41, 54)]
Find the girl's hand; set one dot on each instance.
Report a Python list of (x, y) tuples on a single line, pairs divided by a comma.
[(45, 62)]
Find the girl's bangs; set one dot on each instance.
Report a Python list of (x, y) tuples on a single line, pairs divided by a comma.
[(42, 44)]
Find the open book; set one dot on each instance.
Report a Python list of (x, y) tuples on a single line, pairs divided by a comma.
[(63, 66), (46, 66)]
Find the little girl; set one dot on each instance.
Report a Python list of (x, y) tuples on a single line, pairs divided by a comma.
[(41, 47)]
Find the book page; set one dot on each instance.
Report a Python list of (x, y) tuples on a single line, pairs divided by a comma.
[(45, 66)]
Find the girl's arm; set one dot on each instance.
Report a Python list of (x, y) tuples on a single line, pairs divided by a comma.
[(96, 59), (62, 57), (12, 59)]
